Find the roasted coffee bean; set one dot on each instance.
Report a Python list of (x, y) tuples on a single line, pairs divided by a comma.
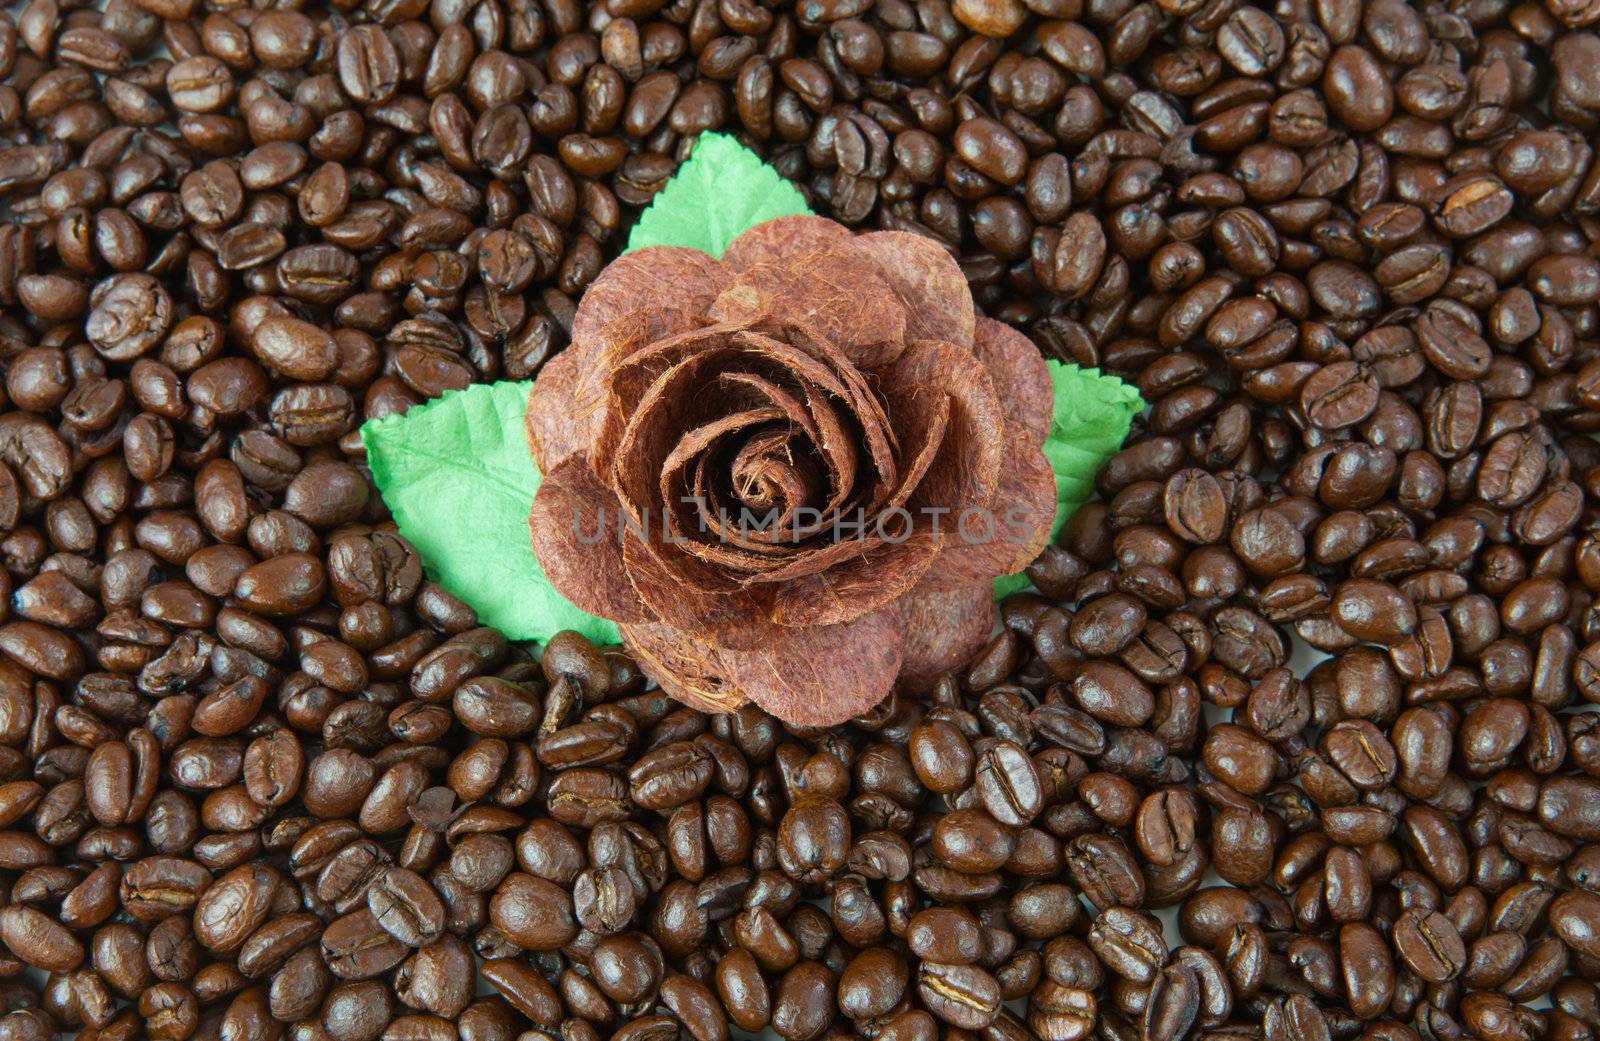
[(262, 777), (1430, 945), (355, 947), (1008, 784), (964, 996), (406, 907), (1130, 944), (39, 940)]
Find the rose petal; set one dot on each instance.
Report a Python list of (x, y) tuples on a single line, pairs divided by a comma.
[(573, 525), (851, 587), (639, 384), (701, 438), (684, 279), (926, 280), (800, 565), (823, 675), (929, 428), (768, 474), (836, 292), (686, 667), (683, 411), (639, 299), (761, 534), (781, 237), (1003, 538), (1021, 380), (813, 677), (778, 397), (668, 411), (941, 631), (689, 593), (967, 466), (631, 378), (864, 404), (835, 445), (596, 414), (696, 593), (836, 451), (552, 435), (721, 532), (1025, 502)]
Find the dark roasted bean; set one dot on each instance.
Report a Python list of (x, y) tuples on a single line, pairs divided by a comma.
[(263, 777)]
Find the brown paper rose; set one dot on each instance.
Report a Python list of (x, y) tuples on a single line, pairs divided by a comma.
[(790, 476)]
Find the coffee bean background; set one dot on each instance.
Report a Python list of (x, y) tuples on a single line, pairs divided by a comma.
[(1292, 744)]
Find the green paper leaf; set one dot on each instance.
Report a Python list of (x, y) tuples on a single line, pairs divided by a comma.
[(1092, 415), (457, 477), (1010, 585), (722, 189)]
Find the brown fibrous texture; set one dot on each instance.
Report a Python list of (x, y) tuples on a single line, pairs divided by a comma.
[(760, 467)]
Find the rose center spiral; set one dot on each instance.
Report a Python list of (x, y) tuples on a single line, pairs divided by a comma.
[(771, 472)]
